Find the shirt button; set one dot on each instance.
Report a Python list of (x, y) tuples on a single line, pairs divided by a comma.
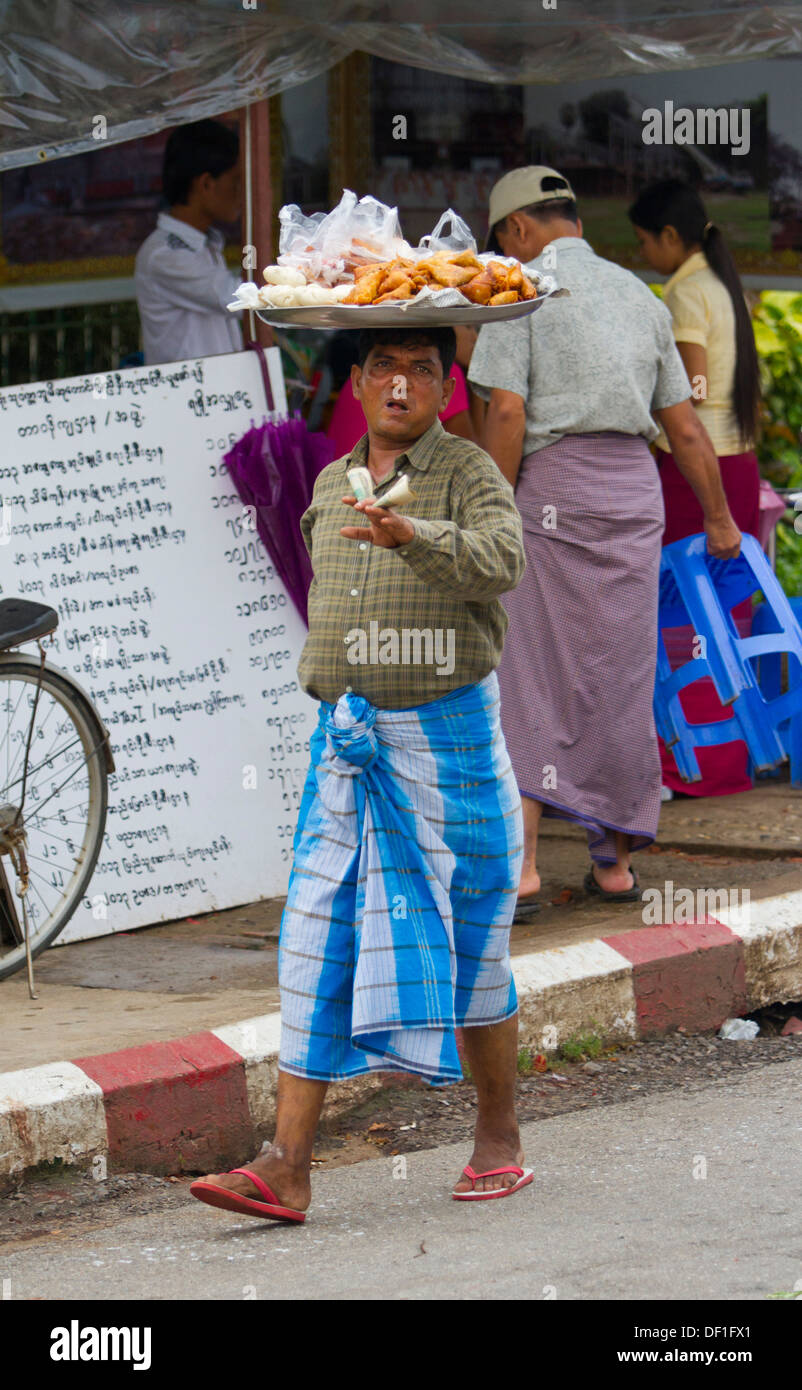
[(354, 593), (363, 545), (349, 690)]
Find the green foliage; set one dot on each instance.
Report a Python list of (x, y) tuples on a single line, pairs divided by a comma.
[(788, 555), (580, 1047), (778, 336)]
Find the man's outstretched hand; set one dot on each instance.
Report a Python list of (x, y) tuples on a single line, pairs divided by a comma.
[(385, 528)]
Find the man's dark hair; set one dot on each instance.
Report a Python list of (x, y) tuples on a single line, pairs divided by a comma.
[(444, 339), (204, 147), (547, 212), (340, 355), (562, 208)]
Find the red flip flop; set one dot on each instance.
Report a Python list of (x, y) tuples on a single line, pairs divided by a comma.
[(525, 1175), (270, 1208)]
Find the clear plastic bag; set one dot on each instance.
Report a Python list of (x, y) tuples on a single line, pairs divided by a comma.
[(461, 237), (330, 248), (452, 236), (327, 246)]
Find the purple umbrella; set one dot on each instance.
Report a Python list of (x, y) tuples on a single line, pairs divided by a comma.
[(274, 467)]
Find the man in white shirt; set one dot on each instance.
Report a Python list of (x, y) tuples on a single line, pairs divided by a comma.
[(182, 282)]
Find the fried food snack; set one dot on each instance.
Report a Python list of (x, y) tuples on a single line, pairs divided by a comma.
[(480, 288), (403, 291), (366, 288), (482, 282), (444, 272)]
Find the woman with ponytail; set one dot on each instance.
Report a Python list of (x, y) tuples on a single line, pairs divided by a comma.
[(714, 336)]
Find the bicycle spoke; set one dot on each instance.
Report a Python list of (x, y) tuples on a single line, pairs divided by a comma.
[(49, 742), (8, 728), (52, 863), (51, 834), (42, 725), (48, 834), (19, 698), (48, 910), (42, 719), (52, 888), (65, 809), (35, 705), (67, 780), (49, 757), (57, 815), (33, 770)]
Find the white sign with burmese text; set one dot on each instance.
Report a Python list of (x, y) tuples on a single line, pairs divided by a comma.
[(122, 517)]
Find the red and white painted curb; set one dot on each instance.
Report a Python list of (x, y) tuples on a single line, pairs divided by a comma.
[(200, 1101)]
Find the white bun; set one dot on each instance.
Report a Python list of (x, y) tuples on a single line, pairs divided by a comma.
[(317, 294), (283, 275), (291, 296), (279, 296)]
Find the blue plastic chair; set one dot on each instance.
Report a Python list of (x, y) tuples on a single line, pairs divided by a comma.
[(770, 665), (695, 588), (769, 671)]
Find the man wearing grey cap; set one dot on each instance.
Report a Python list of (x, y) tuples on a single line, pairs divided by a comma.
[(572, 392)]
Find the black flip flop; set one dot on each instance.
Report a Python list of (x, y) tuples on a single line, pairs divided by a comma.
[(631, 895), (526, 908)]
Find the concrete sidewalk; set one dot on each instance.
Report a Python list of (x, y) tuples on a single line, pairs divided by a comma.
[(172, 1024)]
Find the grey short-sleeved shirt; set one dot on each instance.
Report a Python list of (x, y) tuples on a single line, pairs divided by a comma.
[(601, 359)]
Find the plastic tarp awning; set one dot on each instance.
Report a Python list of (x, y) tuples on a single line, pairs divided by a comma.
[(142, 66)]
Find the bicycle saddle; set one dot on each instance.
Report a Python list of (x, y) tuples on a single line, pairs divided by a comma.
[(22, 621)]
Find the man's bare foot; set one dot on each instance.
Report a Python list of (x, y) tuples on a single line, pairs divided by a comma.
[(496, 1151), (291, 1184), (529, 886), (613, 878)]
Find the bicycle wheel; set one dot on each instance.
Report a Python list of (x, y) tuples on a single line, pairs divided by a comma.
[(66, 799)]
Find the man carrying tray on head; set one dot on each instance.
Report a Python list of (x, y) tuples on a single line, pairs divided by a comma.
[(409, 841)]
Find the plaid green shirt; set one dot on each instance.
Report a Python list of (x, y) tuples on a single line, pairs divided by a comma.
[(403, 627)]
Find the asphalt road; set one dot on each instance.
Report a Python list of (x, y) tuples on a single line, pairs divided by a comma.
[(677, 1196)]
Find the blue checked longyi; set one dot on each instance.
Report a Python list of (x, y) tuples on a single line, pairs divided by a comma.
[(408, 854)]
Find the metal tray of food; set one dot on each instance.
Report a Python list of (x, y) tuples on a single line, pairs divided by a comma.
[(404, 313)]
